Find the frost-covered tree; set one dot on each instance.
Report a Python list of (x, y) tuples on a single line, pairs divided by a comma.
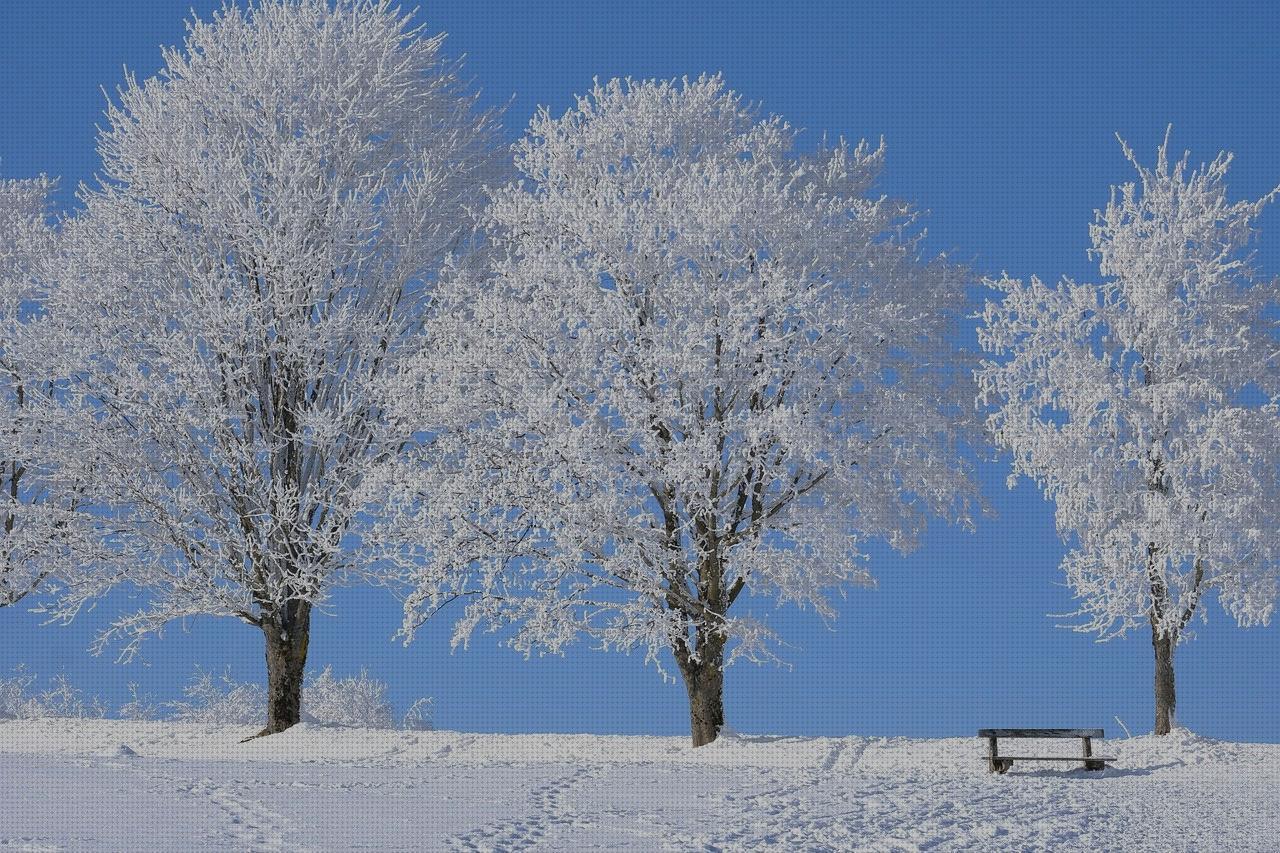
[(24, 237), (1128, 403), (42, 499), (262, 246), (704, 368)]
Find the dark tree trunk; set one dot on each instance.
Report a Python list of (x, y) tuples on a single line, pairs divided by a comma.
[(1166, 698), (704, 681), (287, 634)]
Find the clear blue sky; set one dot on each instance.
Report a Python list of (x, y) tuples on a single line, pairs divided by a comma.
[(1000, 120)]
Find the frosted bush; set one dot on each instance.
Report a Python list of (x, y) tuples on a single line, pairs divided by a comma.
[(358, 701), (18, 701), (419, 716), (64, 699), (220, 701), (139, 706)]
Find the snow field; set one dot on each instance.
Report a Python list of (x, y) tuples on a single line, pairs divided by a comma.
[(100, 785)]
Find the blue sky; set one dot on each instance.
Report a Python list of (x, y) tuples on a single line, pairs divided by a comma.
[(1000, 120)]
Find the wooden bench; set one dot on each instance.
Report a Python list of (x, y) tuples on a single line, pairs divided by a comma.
[(998, 763)]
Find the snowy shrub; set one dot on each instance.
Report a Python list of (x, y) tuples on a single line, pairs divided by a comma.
[(419, 716), (355, 701), (358, 701), (62, 699), (220, 702), (16, 700), (139, 706)]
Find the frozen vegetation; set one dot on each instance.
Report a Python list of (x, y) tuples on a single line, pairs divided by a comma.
[(120, 785), (356, 701)]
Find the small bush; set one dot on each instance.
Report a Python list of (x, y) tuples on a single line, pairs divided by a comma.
[(18, 701), (356, 701), (139, 707), (220, 702), (419, 716), (64, 699)]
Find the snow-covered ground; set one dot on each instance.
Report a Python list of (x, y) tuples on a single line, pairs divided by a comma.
[(114, 785)]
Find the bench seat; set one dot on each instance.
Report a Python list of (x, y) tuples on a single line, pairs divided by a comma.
[(1042, 733), (1076, 758)]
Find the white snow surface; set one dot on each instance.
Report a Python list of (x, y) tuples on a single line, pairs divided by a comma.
[(122, 785)]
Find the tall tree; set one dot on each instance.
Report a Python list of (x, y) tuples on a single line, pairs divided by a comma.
[(1128, 402), (705, 367), (262, 246)]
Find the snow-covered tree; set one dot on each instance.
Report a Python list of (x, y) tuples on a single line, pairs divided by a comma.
[(1129, 404), (41, 499), (262, 246), (705, 367)]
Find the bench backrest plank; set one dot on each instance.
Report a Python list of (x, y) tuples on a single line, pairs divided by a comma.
[(1041, 733)]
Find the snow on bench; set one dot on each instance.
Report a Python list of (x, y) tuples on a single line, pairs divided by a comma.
[(998, 763)]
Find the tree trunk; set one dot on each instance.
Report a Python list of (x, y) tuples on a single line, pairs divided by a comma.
[(704, 681), (1166, 698), (287, 634)]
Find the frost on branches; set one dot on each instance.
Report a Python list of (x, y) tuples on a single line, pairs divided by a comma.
[(1126, 403), (43, 525), (260, 249), (704, 368)]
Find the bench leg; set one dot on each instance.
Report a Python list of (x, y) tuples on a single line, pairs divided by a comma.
[(1088, 753), (996, 764)]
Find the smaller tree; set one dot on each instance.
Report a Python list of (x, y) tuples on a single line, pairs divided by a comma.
[(1127, 403), (705, 367), (43, 525)]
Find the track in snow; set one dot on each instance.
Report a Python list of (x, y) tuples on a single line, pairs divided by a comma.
[(70, 786)]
